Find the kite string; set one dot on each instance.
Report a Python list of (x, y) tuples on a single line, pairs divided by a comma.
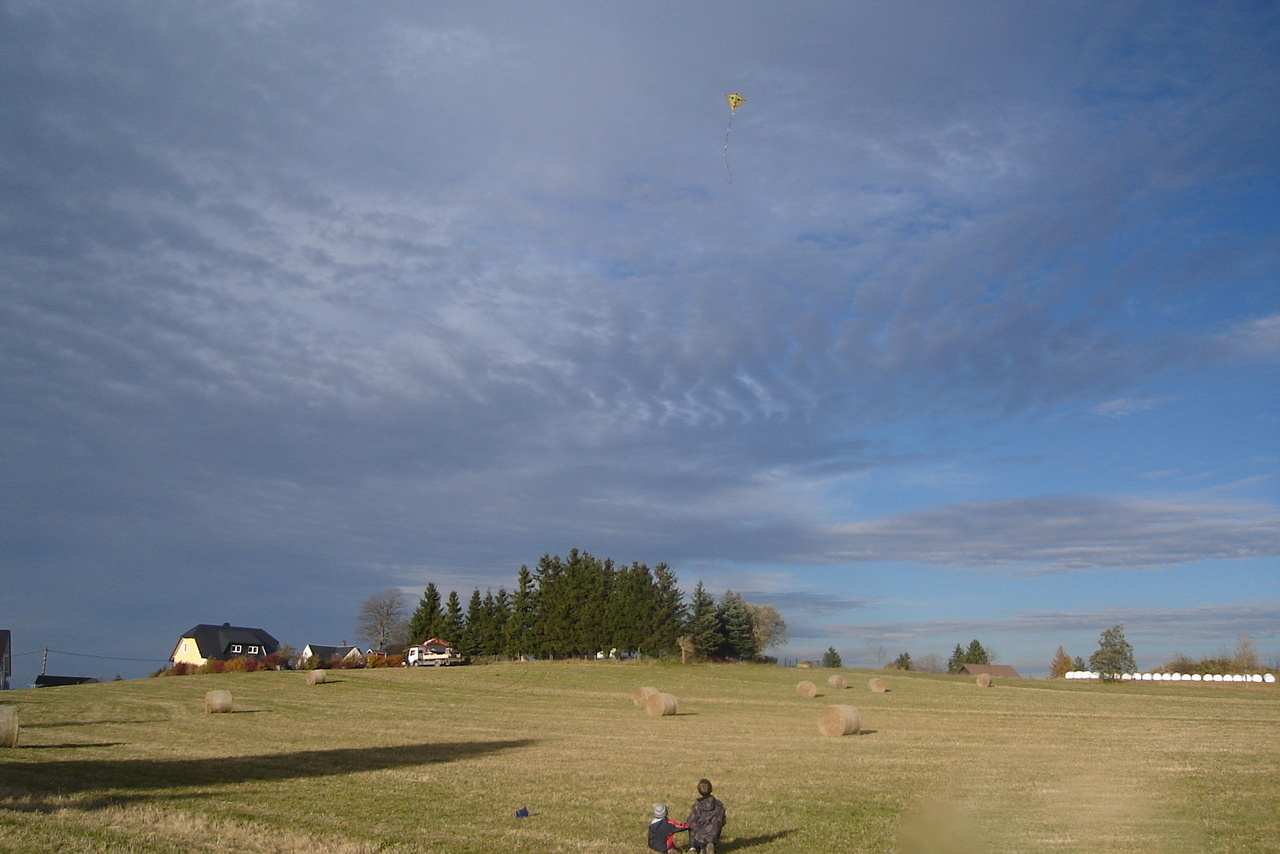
[(728, 128)]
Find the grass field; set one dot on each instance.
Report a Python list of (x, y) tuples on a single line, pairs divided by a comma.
[(438, 760)]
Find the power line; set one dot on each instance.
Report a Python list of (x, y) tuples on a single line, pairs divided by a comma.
[(46, 650)]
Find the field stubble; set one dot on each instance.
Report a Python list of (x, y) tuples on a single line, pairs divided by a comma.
[(427, 760)]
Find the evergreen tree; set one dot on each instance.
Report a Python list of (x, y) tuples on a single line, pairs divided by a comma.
[(519, 628), (831, 658), (473, 629), (428, 620), (667, 614), (956, 661), (903, 662), (497, 612), (704, 623), (632, 607), (735, 624), (453, 621), (554, 627), (1114, 655), (976, 654)]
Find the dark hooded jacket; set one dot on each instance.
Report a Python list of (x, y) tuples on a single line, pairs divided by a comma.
[(706, 820)]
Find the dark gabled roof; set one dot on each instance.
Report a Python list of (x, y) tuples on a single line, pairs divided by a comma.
[(216, 641), (44, 680), (324, 653), (1004, 671)]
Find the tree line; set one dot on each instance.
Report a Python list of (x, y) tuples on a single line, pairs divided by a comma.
[(579, 606)]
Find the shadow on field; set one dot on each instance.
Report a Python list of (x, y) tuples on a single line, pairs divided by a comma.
[(750, 841), (71, 776)]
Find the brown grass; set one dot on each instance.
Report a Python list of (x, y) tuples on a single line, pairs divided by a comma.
[(8, 726)]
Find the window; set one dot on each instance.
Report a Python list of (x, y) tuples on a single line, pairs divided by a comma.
[(184, 646), (253, 650), (235, 647)]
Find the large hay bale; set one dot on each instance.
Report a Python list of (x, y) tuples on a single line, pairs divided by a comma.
[(838, 720), (807, 689), (640, 696), (660, 705), (984, 680), (316, 677), (838, 681), (877, 686), (8, 726), (216, 702)]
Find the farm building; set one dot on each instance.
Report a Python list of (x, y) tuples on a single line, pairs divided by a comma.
[(348, 655), (204, 642), (995, 671)]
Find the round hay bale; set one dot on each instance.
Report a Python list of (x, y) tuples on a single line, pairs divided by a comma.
[(877, 686), (8, 726), (316, 677), (807, 689), (838, 720), (984, 680), (640, 696), (838, 681), (217, 702), (660, 705)]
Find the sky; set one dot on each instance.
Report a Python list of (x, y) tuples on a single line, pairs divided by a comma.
[(967, 326)]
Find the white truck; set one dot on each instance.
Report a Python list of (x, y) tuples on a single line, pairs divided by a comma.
[(432, 653)]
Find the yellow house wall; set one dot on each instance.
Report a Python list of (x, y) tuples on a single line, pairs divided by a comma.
[(188, 651)]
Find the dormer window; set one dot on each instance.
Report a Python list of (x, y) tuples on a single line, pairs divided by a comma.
[(235, 647), (253, 650)]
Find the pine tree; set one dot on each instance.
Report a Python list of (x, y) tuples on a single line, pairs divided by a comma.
[(453, 621), (473, 629), (903, 662), (668, 613), (704, 623), (831, 658), (428, 620), (519, 629), (735, 623), (956, 661), (976, 654)]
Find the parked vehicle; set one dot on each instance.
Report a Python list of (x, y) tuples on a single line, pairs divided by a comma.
[(432, 653)]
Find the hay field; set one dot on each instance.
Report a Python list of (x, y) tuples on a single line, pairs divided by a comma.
[(438, 760)]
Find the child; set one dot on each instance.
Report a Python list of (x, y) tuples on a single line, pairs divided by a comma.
[(662, 831), (706, 820)]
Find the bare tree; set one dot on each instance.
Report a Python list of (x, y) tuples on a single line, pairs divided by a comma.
[(382, 618), (878, 651)]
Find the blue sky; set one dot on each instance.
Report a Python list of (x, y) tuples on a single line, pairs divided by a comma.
[(972, 331)]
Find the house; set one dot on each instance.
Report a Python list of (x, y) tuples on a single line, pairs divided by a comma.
[(996, 671), (204, 642), (348, 655)]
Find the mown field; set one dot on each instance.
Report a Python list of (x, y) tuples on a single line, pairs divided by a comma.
[(439, 760)]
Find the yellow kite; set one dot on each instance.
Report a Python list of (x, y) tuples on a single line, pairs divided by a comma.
[(735, 101)]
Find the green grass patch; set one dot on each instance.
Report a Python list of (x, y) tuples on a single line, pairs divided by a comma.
[(439, 760)]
